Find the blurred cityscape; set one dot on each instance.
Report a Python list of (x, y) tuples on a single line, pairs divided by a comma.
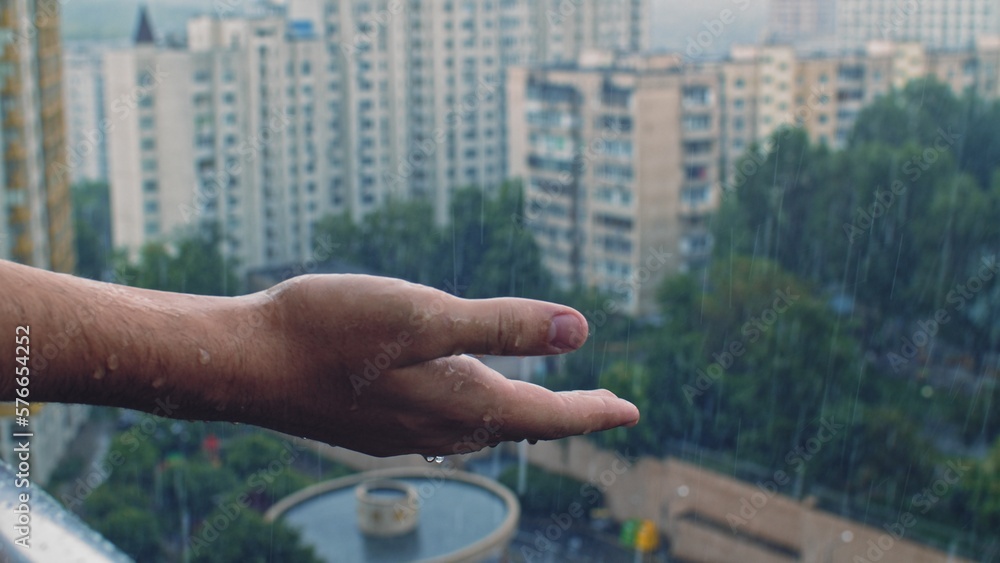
[(759, 209)]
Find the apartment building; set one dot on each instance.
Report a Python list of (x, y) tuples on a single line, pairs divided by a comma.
[(228, 130), (851, 24), (936, 24), (602, 192), (766, 87), (344, 105), (801, 20), (620, 165), (83, 96), (36, 220)]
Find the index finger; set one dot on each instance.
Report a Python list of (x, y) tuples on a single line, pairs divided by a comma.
[(501, 327)]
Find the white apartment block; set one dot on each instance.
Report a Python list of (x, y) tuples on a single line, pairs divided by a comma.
[(232, 129), (851, 24), (620, 167), (801, 20), (83, 93), (936, 24), (343, 104)]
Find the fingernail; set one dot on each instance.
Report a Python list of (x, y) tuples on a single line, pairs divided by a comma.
[(565, 332)]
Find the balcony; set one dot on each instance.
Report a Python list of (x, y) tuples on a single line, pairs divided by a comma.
[(13, 120), (16, 179), (19, 215), (694, 210), (15, 151), (23, 249), (11, 86)]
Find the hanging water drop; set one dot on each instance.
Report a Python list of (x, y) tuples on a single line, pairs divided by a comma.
[(429, 458)]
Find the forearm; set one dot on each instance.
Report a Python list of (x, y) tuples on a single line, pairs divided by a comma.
[(372, 364), (112, 345)]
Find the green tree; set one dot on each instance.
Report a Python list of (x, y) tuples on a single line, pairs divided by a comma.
[(246, 455), (751, 360), (196, 486), (885, 459), (92, 225), (489, 253), (481, 252), (134, 530), (549, 493), (249, 539), (633, 380), (981, 491)]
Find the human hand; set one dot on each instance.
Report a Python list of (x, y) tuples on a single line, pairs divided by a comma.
[(376, 365)]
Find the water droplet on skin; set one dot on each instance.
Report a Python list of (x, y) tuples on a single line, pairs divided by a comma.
[(204, 357), (457, 386), (158, 382), (112, 362), (99, 372)]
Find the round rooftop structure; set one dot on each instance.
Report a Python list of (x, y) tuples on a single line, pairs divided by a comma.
[(432, 514)]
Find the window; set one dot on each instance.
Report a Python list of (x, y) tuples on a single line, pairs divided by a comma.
[(697, 147), (698, 172), (695, 195), (696, 96), (697, 122)]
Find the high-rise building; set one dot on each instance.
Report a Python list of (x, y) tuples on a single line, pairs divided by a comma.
[(620, 166), (937, 24), (230, 129), (35, 217), (850, 24), (343, 104), (36, 220), (83, 92), (437, 70), (801, 20)]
